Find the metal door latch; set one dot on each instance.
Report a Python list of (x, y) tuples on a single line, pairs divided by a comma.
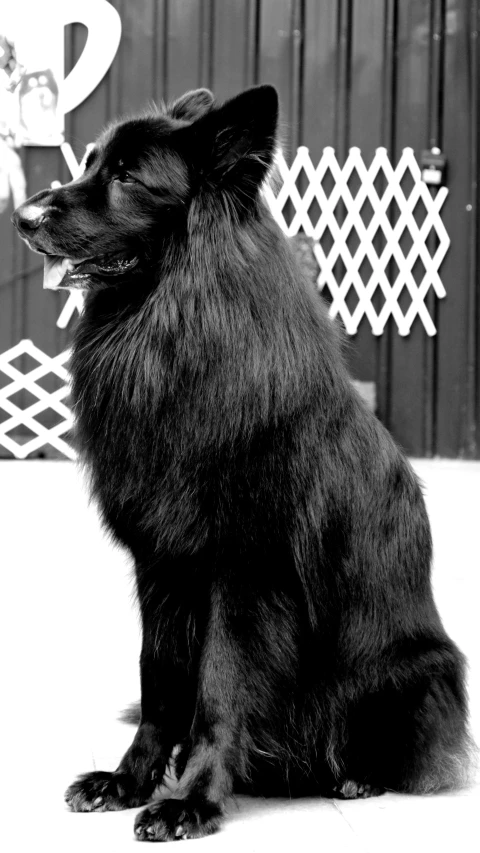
[(434, 167)]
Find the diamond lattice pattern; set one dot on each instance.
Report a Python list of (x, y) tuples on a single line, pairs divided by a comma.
[(23, 421), (372, 205)]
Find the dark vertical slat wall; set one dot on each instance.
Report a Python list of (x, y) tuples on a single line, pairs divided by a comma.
[(458, 322), (11, 285), (319, 77), (365, 82), (276, 59), (377, 72), (406, 392), (473, 389), (233, 47)]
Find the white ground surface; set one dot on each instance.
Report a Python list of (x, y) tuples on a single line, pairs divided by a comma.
[(70, 644)]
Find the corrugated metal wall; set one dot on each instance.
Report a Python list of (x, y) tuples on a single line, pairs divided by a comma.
[(349, 72)]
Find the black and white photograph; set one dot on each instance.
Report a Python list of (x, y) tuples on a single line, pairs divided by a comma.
[(240, 425)]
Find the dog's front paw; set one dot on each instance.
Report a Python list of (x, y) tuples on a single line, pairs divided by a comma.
[(102, 792), (173, 819)]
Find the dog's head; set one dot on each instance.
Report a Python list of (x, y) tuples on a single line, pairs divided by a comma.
[(140, 180)]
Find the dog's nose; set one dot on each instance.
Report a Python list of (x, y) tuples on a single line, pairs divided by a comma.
[(28, 217)]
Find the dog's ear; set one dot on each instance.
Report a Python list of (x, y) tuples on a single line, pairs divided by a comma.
[(192, 105), (235, 143)]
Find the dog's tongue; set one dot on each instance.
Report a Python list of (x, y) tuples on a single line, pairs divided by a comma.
[(54, 271)]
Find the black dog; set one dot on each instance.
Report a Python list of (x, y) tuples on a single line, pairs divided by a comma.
[(282, 549)]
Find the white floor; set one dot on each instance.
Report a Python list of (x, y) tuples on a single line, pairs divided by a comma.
[(70, 643)]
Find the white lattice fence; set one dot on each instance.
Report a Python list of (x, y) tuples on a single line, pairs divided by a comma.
[(342, 214), (23, 422)]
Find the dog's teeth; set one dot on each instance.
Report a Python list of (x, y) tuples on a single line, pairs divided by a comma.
[(119, 265)]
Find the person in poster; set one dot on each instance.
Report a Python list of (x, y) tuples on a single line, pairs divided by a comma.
[(35, 32)]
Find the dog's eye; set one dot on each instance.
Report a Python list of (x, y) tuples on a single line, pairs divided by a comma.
[(125, 177)]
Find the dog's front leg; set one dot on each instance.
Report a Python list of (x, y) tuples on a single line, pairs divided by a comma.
[(215, 754), (166, 713)]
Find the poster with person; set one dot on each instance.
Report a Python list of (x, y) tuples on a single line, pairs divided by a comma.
[(35, 94)]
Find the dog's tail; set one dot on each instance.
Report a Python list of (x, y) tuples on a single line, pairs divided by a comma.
[(450, 769), (131, 714)]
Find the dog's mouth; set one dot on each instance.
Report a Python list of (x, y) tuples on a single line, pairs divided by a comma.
[(61, 273)]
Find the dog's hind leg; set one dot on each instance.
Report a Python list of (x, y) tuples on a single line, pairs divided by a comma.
[(410, 735)]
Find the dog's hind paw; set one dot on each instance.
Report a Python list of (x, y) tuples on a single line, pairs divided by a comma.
[(102, 792), (350, 790), (172, 820)]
